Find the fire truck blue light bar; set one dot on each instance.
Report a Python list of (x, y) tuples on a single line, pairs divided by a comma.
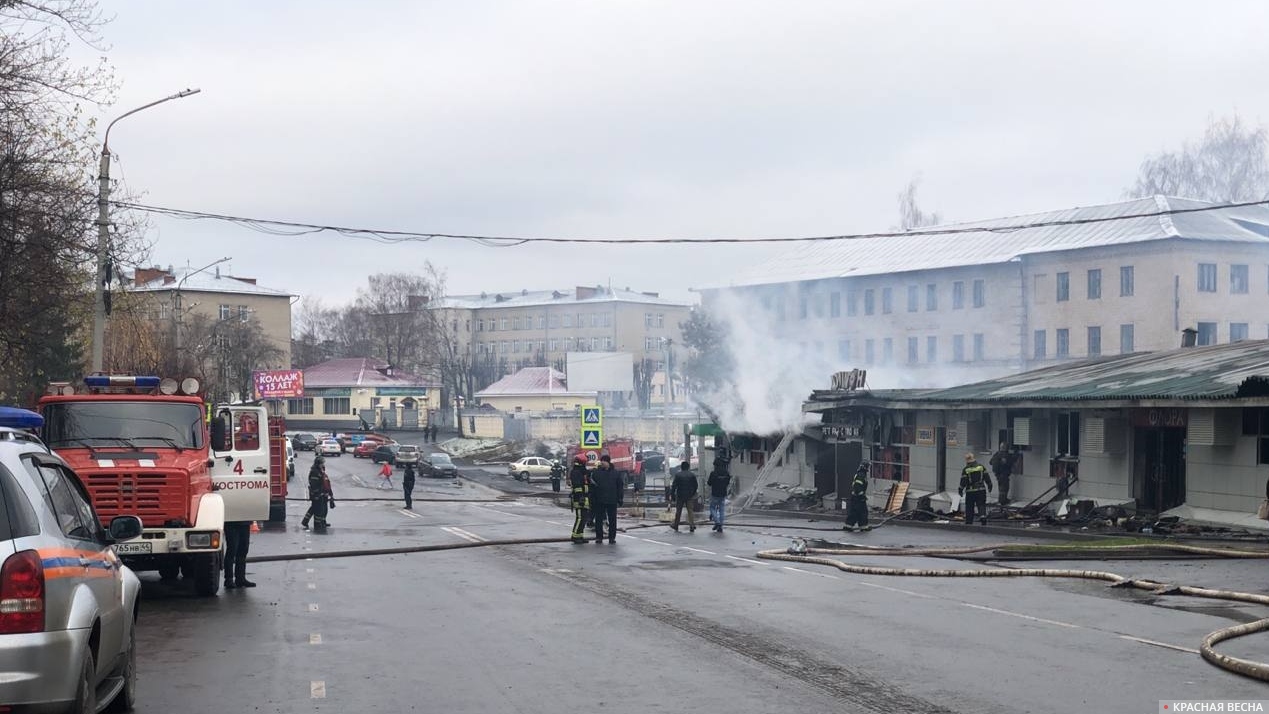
[(102, 380)]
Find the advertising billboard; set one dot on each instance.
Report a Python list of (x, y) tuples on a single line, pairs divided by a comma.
[(278, 383)]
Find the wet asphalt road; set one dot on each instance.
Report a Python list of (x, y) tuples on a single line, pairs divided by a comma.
[(661, 621)]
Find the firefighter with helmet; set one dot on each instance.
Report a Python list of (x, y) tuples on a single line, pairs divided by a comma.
[(320, 496), (975, 485), (579, 497)]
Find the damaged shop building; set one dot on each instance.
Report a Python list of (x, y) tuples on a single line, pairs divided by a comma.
[(1181, 432)]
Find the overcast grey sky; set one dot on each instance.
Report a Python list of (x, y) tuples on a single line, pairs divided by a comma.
[(614, 118)]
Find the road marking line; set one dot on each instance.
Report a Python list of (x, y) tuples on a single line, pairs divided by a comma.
[(317, 690), (658, 542), (1156, 643), (555, 523), (408, 514), (315, 638), (312, 607), (698, 550), (898, 590), (1018, 614), (312, 586), (746, 560), (465, 535), (811, 572), (463, 531)]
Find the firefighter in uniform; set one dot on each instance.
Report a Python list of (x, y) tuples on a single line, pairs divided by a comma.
[(320, 496), (579, 496), (857, 501), (975, 485)]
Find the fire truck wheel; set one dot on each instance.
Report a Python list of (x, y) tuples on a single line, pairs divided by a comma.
[(126, 700), (206, 575), (169, 572), (86, 694)]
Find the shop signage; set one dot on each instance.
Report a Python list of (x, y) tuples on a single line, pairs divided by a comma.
[(278, 383), (840, 431), (925, 435), (1160, 418)]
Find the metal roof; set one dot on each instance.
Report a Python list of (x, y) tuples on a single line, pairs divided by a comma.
[(993, 243), (207, 282), (535, 298), (359, 372), (531, 381), (1237, 370)]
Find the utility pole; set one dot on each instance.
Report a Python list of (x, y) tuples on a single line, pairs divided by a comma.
[(103, 234)]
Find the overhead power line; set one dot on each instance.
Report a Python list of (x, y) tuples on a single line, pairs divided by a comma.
[(294, 228)]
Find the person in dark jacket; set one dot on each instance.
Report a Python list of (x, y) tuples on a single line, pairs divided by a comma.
[(719, 480), (1002, 463), (607, 492), (407, 483), (320, 496), (237, 543), (975, 485), (579, 497), (857, 500), (684, 490)]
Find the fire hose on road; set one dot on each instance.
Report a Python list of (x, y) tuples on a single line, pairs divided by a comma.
[(1247, 668)]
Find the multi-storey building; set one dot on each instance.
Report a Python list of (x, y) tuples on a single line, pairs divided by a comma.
[(527, 328), (990, 298)]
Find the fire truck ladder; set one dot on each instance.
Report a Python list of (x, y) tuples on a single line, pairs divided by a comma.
[(777, 459)]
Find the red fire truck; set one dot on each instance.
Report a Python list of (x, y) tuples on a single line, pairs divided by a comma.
[(621, 451), (150, 448)]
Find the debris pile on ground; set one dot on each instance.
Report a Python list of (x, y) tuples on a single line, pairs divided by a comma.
[(484, 451), (788, 496)]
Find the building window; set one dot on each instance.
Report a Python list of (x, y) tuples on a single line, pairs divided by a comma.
[(1068, 434), (979, 347), (1095, 284), (1206, 333), (594, 319), (835, 304), (502, 347), (870, 302), (912, 350), (868, 351), (1238, 278), (554, 344), (608, 343), (1126, 339), (554, 322), (887, 350), (1062, 337), (887, 301), (581, 320), (802, 307), (226, 311), (594, 344), (541, 322), (1207, 277), (503, 324), (932, 348), (1063, 287), (980, 292), (1094, 341), (244, 313), (843, 349), (647, 319), (1040, 348), (931, 297), (660, 320), (958, 295), (336, 405), (568, 320), (299, 406), (852, 303), (913, 294), (1237, 331), (958, 348), (515, 346), (1126, 280)]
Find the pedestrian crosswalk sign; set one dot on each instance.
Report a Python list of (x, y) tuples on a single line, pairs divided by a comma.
[(592, 416), (592, 438)]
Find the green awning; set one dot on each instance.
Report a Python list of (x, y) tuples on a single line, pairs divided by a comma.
[(703, 430)]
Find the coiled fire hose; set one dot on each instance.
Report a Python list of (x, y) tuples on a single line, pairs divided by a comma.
[(1248, 668)]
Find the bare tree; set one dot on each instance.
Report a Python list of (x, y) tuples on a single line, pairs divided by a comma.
[(1229, 164), (910, 213)]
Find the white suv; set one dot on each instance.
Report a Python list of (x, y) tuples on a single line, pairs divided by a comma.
[(68, 606)]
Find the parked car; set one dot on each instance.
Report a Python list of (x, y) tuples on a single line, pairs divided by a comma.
[(330, 447), (529, 468), (439, 465), (408, 454), (365, 449), (653, 461), (385, 452), (290, 461), (69, 608), (303, 441)]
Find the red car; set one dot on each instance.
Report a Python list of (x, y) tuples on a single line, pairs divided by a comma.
[(366, 448)]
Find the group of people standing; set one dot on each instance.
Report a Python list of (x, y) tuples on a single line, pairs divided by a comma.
[(596, 495)]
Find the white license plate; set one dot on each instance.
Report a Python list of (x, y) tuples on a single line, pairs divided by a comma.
[(129, 548)]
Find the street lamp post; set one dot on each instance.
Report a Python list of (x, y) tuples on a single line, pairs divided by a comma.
[(103, 233), (178, 307)]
